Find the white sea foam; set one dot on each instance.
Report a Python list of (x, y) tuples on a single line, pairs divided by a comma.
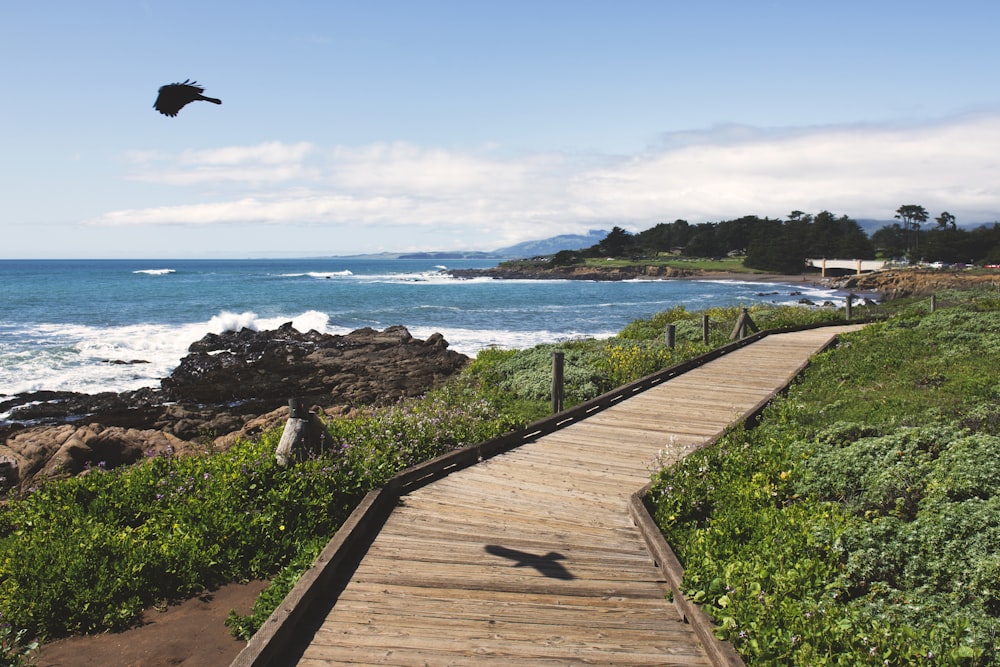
[(346, 273), (93, 359), (787, 293), (156, 272), (102, 358)]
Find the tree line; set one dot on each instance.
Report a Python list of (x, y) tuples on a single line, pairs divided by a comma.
[(783, 245)]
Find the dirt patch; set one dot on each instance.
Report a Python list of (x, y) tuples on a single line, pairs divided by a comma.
[(192, 634)]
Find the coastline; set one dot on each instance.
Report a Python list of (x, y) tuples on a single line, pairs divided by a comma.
[(810, 279), (637, 272), (880, 285)]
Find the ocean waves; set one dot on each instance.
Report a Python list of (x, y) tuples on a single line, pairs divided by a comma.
[(121, 325), (155, 272), (91, 359)]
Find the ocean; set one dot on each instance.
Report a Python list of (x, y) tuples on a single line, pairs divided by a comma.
[(118, 325)]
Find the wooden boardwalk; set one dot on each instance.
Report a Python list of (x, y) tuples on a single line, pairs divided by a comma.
[(530, 558)]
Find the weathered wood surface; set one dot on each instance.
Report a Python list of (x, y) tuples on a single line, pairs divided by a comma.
[(530, 558)]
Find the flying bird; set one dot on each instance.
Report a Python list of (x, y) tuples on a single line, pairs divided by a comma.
[(173, 96)]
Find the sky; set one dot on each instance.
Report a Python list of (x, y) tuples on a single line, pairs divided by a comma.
[(395, 126)]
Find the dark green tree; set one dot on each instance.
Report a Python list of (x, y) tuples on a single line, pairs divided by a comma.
[(778, 246), (565, 257), (664, 237), (618, 243), (912, 215), (703, 241), (945, 220), (733, 236), (890, 241)]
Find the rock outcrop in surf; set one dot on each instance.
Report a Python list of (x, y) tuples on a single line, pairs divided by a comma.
[(230, 384)]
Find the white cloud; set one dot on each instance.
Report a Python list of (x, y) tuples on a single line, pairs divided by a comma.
[(268, 162), (860, 171), (270, 152), (391, 167)]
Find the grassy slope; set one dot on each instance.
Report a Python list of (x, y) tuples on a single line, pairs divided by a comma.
[(858, 523)]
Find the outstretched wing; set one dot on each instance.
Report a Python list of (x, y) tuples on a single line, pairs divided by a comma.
[(174, 96)]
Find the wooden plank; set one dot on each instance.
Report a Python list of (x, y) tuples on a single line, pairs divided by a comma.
[(530, 558)]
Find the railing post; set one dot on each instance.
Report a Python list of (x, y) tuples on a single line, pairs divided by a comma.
[(704, 329), (304, 432), (295, 434), (557, 381), (933, 302), (850, 297), (671, 335)]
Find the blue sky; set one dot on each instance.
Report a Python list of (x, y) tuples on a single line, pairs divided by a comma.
[(357, 127)]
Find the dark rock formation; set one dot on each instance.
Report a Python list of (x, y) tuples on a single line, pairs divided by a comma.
[(231, 383)]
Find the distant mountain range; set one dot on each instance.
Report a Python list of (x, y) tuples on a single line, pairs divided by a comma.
[(554, 244), (547, 246)]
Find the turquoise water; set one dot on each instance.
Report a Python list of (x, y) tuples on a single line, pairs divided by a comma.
[(62, 322)]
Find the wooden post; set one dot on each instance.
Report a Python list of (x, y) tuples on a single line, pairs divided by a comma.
[(304, 432), (704, 329), (933, 302), (557, 381), (671, 334), (293, 438), (850, 297), (744, 323), (740, 328)]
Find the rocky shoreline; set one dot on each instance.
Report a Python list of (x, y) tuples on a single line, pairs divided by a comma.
[(228, 386), (537, 272), (237, 384), (888, 285), (899, 283)]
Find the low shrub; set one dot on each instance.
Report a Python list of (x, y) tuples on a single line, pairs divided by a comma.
[(87, 554), (858, 523)]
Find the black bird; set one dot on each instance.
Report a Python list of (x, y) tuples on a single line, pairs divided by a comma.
[(173, 96)]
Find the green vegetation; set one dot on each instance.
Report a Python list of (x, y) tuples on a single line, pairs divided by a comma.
[(781, 246), (87, 554), (726, 264), (520, 381), (858, 523), (845, 504), (765, 244)]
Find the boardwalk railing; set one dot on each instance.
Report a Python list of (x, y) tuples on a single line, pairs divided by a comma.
[(329, 573)]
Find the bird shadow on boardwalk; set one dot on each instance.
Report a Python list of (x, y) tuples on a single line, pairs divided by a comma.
[(546, 565)]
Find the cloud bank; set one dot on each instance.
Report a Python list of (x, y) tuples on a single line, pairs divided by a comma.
[(862, 171)]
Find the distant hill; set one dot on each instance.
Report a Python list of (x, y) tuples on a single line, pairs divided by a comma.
[(547, 246), (870, 226), (553, 244), (471, 254)]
